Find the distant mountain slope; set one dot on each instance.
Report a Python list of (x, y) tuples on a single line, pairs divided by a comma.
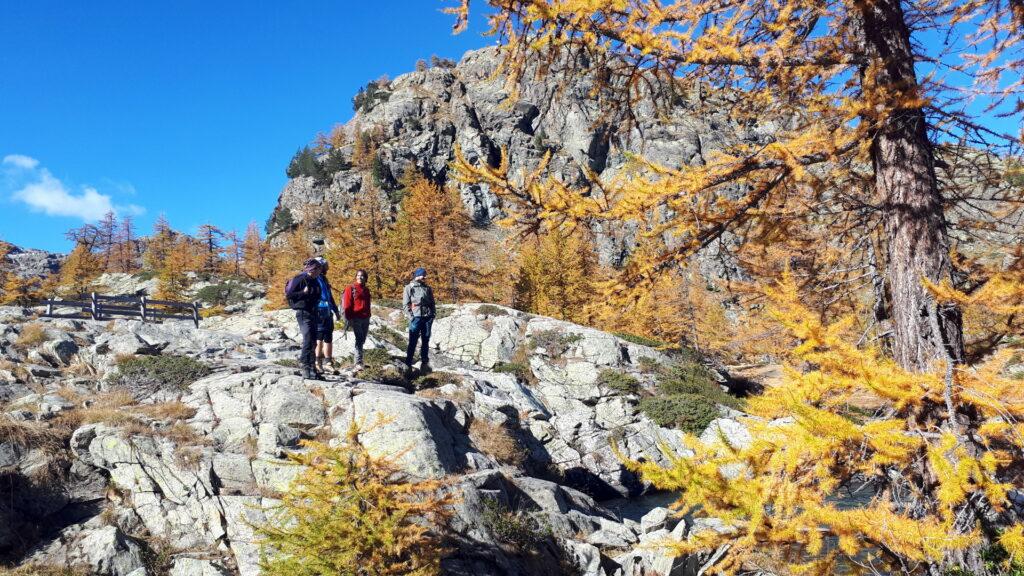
[(29, 262)]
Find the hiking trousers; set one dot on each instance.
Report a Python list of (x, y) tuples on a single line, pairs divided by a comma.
[(307, 329), (360, 328), (419, 329)]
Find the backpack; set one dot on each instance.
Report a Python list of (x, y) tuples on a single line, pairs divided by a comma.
[(294, 303)]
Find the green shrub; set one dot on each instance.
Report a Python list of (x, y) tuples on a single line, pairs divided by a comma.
[(688, 412), (389, 334), (444, 312), (518, 368), (554, 342), (618, 381), (491, 310), (223, 294), (516, 529), (435, 379), (158, 372), (287, 362), (693, 379), (642, 341)]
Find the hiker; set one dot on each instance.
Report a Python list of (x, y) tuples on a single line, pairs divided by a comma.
[(418, 303), (326, 312), (355, 301), (303, 295)]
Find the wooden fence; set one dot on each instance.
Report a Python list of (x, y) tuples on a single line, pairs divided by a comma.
[(100, 307)]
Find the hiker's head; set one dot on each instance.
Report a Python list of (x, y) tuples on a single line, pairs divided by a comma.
[(419, 274), (323, 263), (312, 267), (361, 276)]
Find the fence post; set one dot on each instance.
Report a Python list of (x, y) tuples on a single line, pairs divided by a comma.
[(49, 308), (195, 313), (142, 306), (94, 306)]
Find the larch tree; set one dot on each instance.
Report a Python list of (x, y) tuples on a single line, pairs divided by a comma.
[(208, 238), (254, 253), (172, 277), (558, 275), (433, 230), (126, 246), (869, 102), (106, 241), (78, 270), (857, 129), (158, 245), (234, 253), (358, 241)]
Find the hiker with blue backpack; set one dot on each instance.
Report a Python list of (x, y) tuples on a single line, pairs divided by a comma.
[(419, 307), (303, 295), (326, 313)]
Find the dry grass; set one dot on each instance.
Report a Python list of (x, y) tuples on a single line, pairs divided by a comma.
[(31, 335), (174, 410), (497, 441), (462, 395), (30, 434), (45, 570), (15, 368)]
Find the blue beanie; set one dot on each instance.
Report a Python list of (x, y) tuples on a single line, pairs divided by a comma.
[(419, 272)]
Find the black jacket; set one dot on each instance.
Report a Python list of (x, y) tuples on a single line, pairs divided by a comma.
[(298, 300)]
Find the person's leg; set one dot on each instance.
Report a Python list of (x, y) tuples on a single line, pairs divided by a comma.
[(307, 330), (414, 334), (360, 328), (425, 336), (329, 352)]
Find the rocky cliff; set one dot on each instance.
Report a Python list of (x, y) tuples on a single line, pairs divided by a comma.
[(420, 118), (29, 262), (108, 470)]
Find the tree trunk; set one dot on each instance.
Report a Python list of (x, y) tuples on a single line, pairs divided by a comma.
[(905, 180)]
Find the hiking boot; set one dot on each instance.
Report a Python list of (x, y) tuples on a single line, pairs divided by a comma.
[(306, 372), (358, 368), (319, 364)]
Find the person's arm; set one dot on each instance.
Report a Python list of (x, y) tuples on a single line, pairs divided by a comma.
[(406, 301), (430, 297), (347, 301)]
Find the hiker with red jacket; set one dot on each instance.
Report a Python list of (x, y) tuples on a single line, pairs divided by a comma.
[(303, 295), (355, 301)]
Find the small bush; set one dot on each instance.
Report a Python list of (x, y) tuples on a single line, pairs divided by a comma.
[(615, 380), (287, 362), (435, 379), (223, 294), (688, 412), (519, 369), (389, 334), (649, 365), (491, 310), (31, 335), (150, 373), (554, 342), (378, 367), (516, 529), (694, 379), (641, 340), (348, 509), (497, 441), (36, 569)]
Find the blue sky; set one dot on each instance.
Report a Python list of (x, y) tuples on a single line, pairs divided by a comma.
[(188, 108)]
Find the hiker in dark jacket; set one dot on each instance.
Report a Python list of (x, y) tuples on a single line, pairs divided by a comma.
[(326, 312), (303, 295), (418, 304), (355, 301)]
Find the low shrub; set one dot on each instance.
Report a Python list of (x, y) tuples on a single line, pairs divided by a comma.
[(223, 294), (31, 335), (696, 379), (435, 379), (150, 373), (618, 381), (519, 369), (287, 362), (497, 441), (688, 412), (515, 528), (389, 334), (378, 367), (491, 310), (554, 342), (641, 340)]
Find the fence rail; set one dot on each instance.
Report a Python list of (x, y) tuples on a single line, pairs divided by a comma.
[(100, 307)]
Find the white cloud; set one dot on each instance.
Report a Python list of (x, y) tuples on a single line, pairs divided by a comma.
[(20, 161), (41, 191)]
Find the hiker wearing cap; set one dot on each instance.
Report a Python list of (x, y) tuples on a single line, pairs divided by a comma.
[(303, 295), (326, 312), (418, 304), (355, 301)]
